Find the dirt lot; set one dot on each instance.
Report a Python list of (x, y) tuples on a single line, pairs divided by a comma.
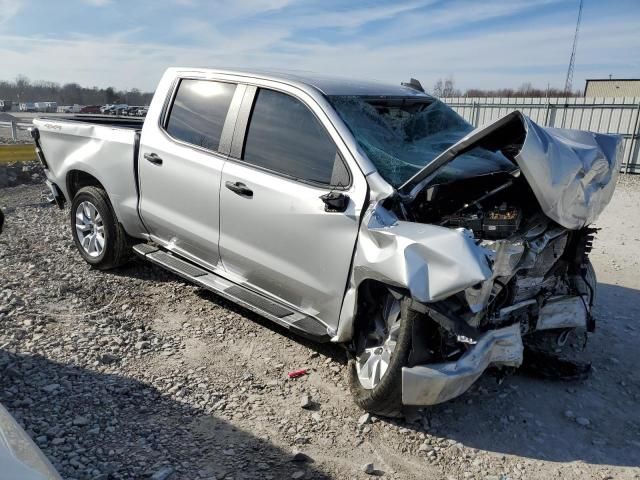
[(136, 374)]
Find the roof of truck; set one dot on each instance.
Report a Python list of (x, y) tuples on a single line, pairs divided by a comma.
[(327, 84)]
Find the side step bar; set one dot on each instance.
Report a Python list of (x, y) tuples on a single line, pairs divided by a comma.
[(302, 324)]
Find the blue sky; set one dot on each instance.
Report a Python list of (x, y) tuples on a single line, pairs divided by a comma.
[(480, 43)]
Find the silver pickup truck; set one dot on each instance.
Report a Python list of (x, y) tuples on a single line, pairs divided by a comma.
[(365, 214)]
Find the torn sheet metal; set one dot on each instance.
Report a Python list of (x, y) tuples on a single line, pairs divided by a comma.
[(572, 173), (563, 312), (439, 382), (432, 262)]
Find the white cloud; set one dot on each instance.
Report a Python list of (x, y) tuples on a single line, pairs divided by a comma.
[(356, 17), (481, 58), (9, 9), (97, 3)]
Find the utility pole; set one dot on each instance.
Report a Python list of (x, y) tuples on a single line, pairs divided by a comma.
[(572, 59)]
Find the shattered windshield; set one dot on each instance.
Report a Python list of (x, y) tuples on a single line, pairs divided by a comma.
[(401, 135)]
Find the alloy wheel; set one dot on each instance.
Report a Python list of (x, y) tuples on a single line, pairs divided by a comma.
[(90, 229)]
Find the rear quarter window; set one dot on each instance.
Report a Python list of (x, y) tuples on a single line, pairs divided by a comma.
[(199, 111)]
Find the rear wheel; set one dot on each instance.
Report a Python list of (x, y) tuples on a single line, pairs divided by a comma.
[(381, 350), (98, 235)]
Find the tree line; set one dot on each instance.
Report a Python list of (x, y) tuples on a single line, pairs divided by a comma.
[(23, 90), (446, 88)]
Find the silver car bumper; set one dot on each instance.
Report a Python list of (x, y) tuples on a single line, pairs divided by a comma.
[(439, 382)]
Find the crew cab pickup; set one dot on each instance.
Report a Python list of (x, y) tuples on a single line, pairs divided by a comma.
[(366, 214)]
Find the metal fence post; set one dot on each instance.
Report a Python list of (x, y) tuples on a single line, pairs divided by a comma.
[(477, 114), (546, 114), (14, 130)]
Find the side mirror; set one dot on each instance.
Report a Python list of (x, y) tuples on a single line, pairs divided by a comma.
[(335, 202)]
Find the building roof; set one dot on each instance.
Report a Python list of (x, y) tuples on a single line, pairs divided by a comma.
[(612, 87), (327, 84)]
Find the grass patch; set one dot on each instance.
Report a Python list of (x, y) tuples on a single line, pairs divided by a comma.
[(17, 153)]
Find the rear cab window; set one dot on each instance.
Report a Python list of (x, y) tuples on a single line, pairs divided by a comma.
[(285, 137), (199, 111)]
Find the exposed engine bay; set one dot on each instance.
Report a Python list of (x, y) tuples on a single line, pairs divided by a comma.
[(540, 291), (488, 240), (533, 259)]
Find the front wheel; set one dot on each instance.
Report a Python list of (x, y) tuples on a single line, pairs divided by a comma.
[(381, 350), (98, 235)]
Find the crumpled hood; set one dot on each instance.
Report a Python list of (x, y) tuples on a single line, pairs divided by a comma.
[(571, 172)]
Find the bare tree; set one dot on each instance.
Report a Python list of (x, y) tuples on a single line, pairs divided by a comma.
[(525, 90), (23, 90), (445, 88)]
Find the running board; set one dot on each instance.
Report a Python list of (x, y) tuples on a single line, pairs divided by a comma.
[(302, 324)]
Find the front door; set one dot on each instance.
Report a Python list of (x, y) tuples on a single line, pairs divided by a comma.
[(180, 168), (276, 234)]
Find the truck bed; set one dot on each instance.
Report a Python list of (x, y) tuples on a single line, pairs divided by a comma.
[(100, 146), (106, 120)]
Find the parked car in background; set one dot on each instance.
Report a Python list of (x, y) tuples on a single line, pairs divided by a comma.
[(130, 111), (5, 105), (27, 107), (135, 111), (119, 109), (46, 107), (365, 214), (90, 109), (75, 108)]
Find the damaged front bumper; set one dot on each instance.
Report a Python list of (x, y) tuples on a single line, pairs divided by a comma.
[(439, 382), (436, 383)]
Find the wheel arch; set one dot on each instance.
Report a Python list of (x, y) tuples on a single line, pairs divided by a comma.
[(77, 179), (365, 294)]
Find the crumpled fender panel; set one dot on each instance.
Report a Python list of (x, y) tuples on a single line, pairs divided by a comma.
[(432, 262), (571, 172)]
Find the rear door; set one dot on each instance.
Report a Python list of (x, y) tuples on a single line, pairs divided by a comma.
[(181, 160), (277, 235)]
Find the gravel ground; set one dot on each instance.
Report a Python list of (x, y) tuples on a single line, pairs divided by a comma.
[(24, 137), (136, 374)]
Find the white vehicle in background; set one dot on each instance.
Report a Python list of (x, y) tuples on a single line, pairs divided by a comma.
[(27, 107), (46, 107), (75, 108)]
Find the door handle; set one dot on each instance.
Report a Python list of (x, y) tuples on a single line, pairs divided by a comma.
[(239, 188), (153, 158)]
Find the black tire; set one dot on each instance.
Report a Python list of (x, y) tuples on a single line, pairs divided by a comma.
[(385, 399), (117, 250), (592, 280), (561, 353)]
